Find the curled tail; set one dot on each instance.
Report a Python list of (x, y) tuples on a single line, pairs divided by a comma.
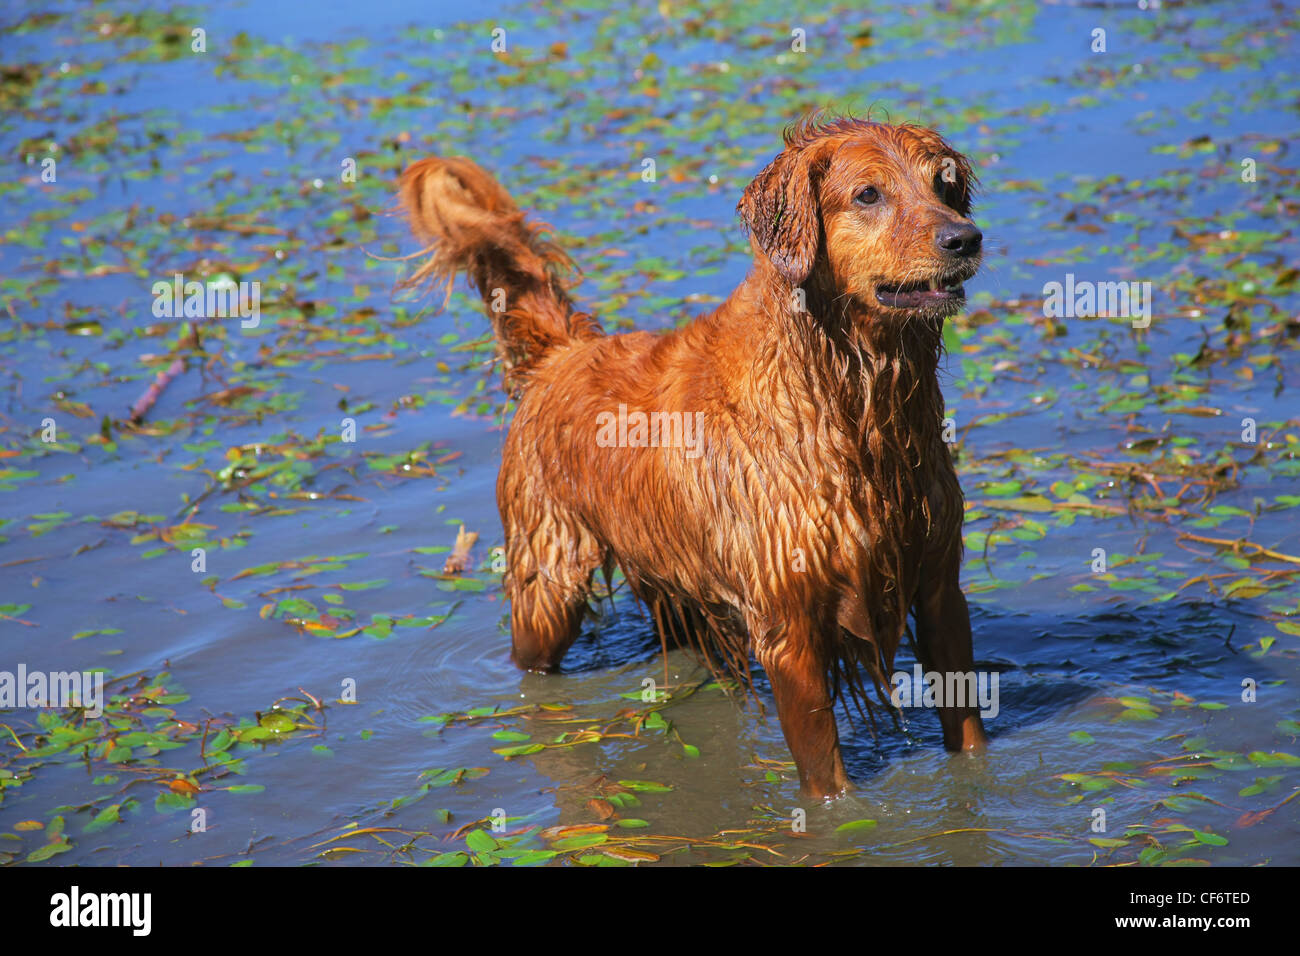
[(470, 224)]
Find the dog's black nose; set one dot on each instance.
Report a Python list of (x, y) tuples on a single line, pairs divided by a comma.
[(959, 239)]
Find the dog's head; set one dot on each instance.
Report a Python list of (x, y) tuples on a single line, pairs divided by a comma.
[(877, 212)]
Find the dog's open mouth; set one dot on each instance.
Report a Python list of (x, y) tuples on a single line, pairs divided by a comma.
[(931, 294)]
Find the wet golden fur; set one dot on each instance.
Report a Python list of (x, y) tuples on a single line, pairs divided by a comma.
[(824, 506)]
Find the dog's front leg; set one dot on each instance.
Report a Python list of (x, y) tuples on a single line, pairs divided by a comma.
[(806, 709), (943, 639)]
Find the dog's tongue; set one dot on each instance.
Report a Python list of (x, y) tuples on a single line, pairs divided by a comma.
[(916, 298)]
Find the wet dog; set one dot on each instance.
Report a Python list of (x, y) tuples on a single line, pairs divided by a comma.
[(771, 478)]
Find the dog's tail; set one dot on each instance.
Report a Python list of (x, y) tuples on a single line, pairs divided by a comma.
[(469, 224)]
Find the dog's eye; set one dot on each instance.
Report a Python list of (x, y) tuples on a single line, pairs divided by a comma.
[(944, 189), (867, 197)]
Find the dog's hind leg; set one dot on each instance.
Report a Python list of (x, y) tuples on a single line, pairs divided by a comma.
[(796, 667), (550, 563)]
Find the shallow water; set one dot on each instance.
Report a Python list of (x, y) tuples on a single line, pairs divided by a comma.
[(1120, 691)]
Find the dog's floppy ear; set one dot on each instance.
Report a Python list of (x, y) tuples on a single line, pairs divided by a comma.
[(780, 210)]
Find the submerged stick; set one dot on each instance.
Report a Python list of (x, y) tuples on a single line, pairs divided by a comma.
[(1241, 544), (151, 394)]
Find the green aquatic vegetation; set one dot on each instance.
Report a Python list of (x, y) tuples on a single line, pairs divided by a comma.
[(146, 754), (538, 722)]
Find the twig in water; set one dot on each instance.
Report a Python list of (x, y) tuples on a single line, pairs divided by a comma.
[(146, 401), (459, 557)]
